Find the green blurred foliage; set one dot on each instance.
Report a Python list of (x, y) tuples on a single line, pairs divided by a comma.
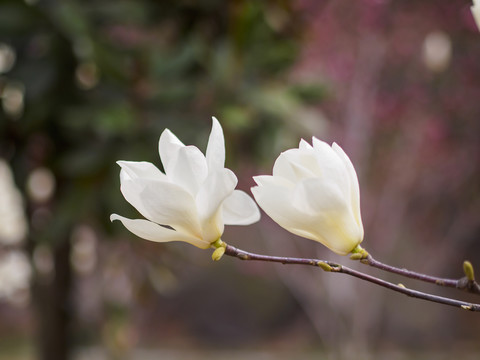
[(100, 80), (103, 79)]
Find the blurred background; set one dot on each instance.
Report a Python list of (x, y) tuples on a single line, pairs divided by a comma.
[(85, 83)]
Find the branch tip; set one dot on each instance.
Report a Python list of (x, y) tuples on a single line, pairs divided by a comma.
[(468, 270)]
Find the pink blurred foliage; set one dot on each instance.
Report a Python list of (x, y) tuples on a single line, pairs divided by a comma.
[(413, 133)]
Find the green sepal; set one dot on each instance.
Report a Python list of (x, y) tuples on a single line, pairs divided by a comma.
[(468, 270), (359, 253), (218, 253), (356, 256)]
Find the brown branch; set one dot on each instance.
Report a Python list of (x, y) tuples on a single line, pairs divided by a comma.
[(338, 268), (462, 283)]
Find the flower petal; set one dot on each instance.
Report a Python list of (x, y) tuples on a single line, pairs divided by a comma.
[(354, 186), (168, 147), (329, 165), (188, 169), (216, 188), (216, 147), (295, 164), (304, 145), (315, 195), (131, 190), (275, 199), (141, 169), (154, 232), (332, 229), (169, 204), (475, 9), (240, 209), (330, 218), (267, 180)]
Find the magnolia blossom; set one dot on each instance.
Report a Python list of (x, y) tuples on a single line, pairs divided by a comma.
[(476, 12), (192, 200), (314, 193)]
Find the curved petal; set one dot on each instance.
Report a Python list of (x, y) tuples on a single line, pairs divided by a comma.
[(131, 191), (336, 231), (154, 232), (354, 186), (330, 166), (169, 204), (330, 218), (162, 202), (216, 147), (188, 169), (141, 169), (240, 209), (269, 180), (304, 145), (216, 188), (168, 147), (315, 195), (275, 200), (295, 164), (333, 230)]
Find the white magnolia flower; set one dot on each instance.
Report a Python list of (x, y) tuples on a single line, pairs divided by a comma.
[(192, 200), (314, 193), (476, 12)]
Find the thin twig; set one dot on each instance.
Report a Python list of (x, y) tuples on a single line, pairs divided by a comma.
[(463, 283), (338, 268)]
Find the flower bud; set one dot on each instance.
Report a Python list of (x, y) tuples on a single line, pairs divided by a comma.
[(314, 193)]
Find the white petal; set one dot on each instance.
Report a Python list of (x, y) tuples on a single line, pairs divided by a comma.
[(295, 164), (167, 204), (154, 232), (131, 190), (275, 200), (320, 145), (315, 195), (329, 165), (330, 216), (335, 229), (240, 209), (188, 169), (476, 12), (168, 147), (304, 145), (269, 180), (216, 147), (283, 168), (354, 186), (216, 188), (141, 169)]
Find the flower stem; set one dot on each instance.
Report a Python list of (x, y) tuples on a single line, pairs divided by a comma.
[(338, 268), (469, 285)]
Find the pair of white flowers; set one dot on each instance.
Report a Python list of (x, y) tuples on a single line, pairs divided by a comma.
[(313, 193)]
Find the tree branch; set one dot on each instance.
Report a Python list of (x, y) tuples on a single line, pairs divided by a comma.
[(469, 285), (338, 268)]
